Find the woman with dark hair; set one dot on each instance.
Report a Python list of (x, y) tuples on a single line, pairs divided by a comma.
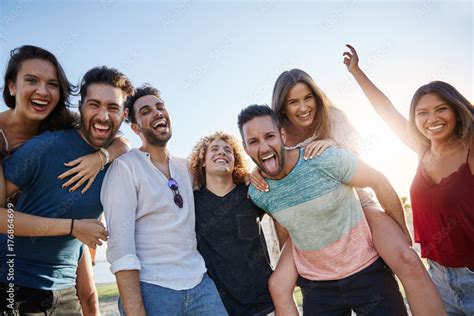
[(440, 129), (37, 92), (307, 116)]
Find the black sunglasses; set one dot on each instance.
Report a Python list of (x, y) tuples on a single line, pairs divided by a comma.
[(178, 199)]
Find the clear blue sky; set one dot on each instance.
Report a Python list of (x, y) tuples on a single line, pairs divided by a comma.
[(210, 59)]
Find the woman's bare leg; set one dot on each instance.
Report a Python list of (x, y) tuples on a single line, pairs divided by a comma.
[(282, 283), (421, 293)]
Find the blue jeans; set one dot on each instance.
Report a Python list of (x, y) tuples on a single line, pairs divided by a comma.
[(456, 287), (203, 300)]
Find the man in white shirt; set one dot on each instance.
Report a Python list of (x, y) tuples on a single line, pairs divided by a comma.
[(148, 203)]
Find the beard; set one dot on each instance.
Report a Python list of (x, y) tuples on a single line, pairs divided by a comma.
[(97, 142), (154, 139)]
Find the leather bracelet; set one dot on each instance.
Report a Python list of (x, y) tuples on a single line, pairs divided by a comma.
[(72, 227)]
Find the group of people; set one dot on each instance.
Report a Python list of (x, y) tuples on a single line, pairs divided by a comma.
[(184, 236)]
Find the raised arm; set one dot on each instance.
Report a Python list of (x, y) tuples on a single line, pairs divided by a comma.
[(366, 176), (87, 167), (382, 105), (88, 231)]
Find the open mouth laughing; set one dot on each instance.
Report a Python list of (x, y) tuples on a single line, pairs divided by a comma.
[(436, 128), (39, 105), (304, 115), (101, 130), (160, 125), (221, 161)]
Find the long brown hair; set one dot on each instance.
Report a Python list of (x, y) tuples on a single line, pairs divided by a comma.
[(462, 108), (287, 80), (60, 117)]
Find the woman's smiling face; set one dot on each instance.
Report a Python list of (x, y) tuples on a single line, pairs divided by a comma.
[(300, 105), (434, 118), (36, 89)]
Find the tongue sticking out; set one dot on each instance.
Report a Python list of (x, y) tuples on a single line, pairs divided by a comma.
[(270, 165)]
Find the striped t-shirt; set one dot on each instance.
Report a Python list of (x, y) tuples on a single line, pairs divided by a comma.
[(331, 237)]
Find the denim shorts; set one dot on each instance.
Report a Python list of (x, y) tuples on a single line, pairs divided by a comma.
[(372, 291), (203, 299), (456, 287)]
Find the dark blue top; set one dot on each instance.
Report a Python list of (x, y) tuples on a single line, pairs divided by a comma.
[(48, 263), (231, 242)]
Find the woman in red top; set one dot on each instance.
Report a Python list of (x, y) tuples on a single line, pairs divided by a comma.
[(440, 129)]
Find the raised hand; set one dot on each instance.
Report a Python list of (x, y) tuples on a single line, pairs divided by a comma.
[(351, 59)]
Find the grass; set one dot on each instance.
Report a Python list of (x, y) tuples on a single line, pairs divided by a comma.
[(107, 291), (298, 296)]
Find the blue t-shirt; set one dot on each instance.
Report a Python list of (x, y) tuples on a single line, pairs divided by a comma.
[(48, 263)]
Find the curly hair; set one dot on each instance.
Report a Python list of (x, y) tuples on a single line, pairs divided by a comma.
[(198, 155)]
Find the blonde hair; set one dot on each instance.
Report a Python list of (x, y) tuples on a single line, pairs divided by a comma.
[(198, 156)]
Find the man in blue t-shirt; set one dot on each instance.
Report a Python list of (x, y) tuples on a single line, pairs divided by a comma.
[(39, 275)]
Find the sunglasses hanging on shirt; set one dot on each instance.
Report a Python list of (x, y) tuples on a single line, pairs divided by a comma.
[(173, 185)]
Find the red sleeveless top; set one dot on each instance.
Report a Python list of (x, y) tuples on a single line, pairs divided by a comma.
[(443, 217)]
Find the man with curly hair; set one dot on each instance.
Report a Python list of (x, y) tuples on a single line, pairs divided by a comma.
[(149, 207), (228, 228)]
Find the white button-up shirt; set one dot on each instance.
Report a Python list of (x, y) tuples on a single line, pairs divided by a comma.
[(147, 231)]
